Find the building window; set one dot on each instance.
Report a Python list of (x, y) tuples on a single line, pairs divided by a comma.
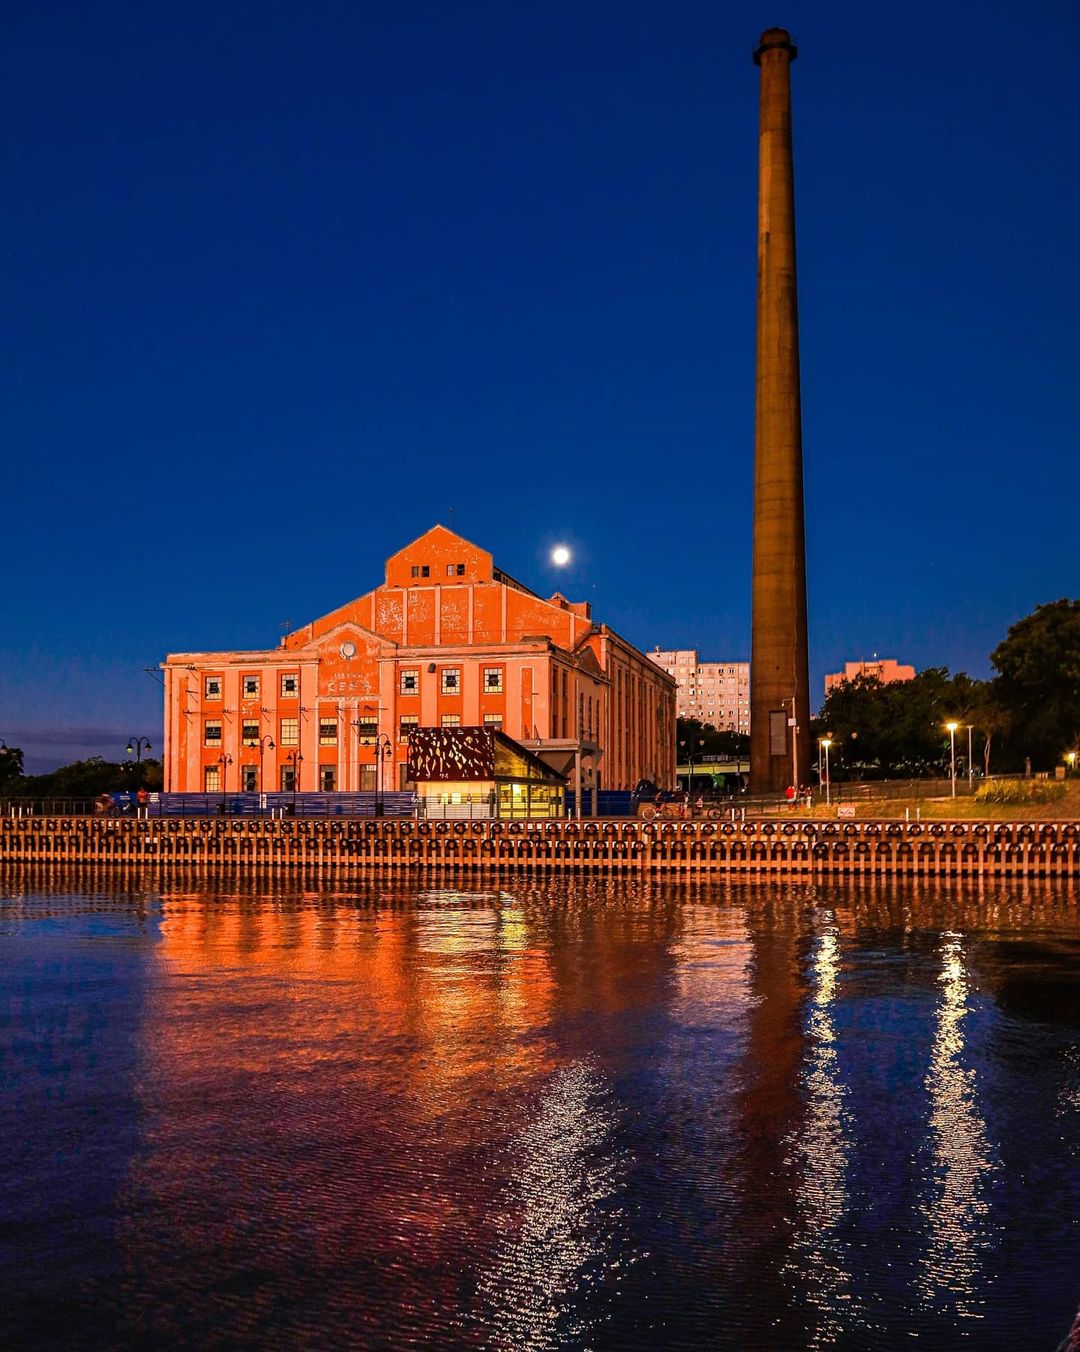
[(288, 778), (367, 727), (451, 720), (410, 682), (327, 778), (249, 778), (212, 687), (290, 686), (451, 680), (421, 570), (405, 725), (290, 732), (249, 732), (328, 732), (493, 720), (455, 570), (493, 680), (211, 779), (212, 732), (250, 687)]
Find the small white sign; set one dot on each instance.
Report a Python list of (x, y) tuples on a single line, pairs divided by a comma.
[(845, 810)]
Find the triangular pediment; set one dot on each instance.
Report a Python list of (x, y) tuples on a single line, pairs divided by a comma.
[(334, 642), (586, 660)]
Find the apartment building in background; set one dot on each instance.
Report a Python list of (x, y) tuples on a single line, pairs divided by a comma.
[(884, 669), (717, 693), (447, 640)]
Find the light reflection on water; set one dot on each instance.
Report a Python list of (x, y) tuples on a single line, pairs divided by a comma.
[(553, 1115), (956, 1206), (819, 1147), (559, 1221)]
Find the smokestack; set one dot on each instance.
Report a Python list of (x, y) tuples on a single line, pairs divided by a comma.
[(779, 671)]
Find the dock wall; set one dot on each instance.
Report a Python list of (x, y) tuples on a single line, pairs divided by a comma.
[(344, 847)]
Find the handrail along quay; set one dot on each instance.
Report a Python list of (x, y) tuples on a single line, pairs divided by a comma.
[(607, 846)]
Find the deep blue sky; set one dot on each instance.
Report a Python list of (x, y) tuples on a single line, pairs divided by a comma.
[(282, 284)]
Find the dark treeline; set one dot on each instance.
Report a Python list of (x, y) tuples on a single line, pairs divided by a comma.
[(81, 779)]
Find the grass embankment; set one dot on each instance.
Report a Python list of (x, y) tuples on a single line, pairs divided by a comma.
[(1061, 807)]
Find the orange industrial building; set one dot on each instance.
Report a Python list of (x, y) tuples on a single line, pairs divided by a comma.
[(448, 640)]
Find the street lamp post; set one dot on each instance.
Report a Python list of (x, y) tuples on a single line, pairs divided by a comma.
[(383, 746), (952, 754), (135, 747), (295, 759), (971, 767), (384, 749), (824, 744), (262, 744), (224, 760), (691, 756)]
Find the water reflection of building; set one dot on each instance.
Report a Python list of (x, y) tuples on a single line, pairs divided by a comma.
[(318, 1071), (381, 1085), (424, 1091)]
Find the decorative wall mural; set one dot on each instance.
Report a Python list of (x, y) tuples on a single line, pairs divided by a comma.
[(451, 754)]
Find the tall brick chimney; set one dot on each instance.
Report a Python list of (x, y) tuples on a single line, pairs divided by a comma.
[(779, 671)]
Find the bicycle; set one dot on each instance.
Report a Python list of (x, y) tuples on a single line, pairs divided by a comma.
[(651, 812)]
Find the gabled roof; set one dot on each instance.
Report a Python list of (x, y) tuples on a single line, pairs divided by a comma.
[(343, 626), (438, 526)]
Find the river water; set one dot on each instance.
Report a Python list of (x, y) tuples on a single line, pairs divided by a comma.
[(545, 1115)]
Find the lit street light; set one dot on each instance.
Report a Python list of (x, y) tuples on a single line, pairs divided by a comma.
[(952, 753), (135, 747), (824, 745)]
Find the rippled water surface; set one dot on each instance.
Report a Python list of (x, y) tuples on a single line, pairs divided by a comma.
[(563, 1115)]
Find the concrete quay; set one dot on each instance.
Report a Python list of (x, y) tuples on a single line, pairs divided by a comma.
[(612, 846)]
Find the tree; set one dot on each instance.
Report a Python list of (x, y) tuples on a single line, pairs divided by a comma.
[(80, 779), (84, 779), (989, 718), (898, 729), (1038, 684), (11, 768), (702, 739)]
